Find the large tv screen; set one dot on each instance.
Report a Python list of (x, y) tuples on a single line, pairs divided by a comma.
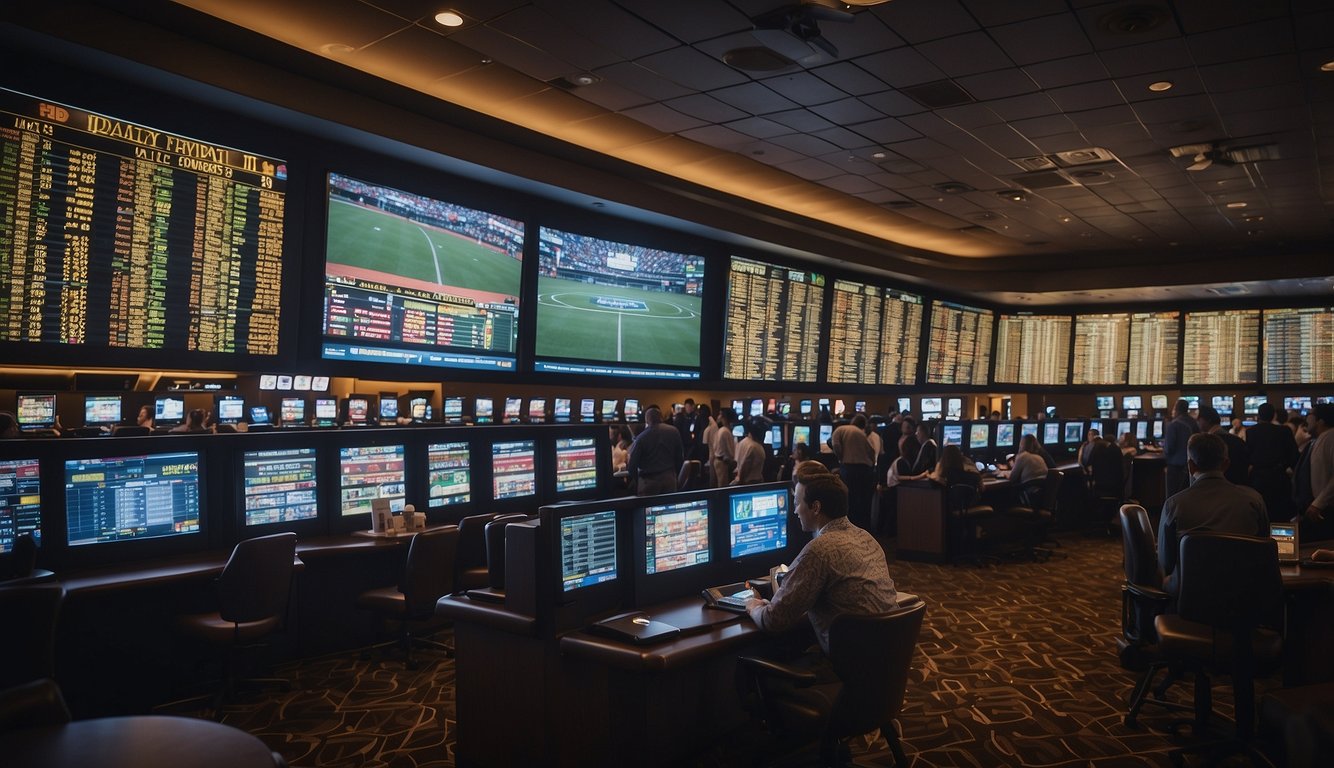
[(20, 501), (676, 536), (123, 498), (576, 464), (773, 328), (448, 474), (757, 521), (120, 236), (280, 486), (616, 309), (415, 280), (367, 473)]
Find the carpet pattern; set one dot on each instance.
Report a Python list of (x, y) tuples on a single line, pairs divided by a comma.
[(1016, 666)]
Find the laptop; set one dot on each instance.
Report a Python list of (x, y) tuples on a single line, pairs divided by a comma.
[(1286, 536), (635, 628)]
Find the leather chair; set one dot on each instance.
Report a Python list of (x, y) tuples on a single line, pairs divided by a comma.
[(871, 657), (470, 564), (28, 641), (1034, 515), (967, 523), (691, 476), (33, 704), (427, 577), (130, 430), (1230, 601), (1107, 484), (495, 548), (253, 592)]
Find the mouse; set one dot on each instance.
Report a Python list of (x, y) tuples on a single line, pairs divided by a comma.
[(642, 621)]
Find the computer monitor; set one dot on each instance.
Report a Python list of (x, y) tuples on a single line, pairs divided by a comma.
[(739, 408), (1027, 428), (1222, 404), (101, 410), (1158, 402), (537, 410), (801, 433), (954, 408), (1005, 435), (952, 434), (576, 464), (388, 412), (229, 408), (561, 411), (771, 406), (419, 408), (319, 383), (757, 521), (587, 414), (371, 472), (1104, 402), (168, 410), (358, 409), (1142, 429), (609, 410), (37, 410), (859, 406), (738, 431), (756, 407), (20, 501), (785, 409), (1250, 404), (979, 436), (279, 486), (483, 410), (840, 408), (124, 498), (1051, 433), (1132, 402), (826, 432), (1300, 404), (448, 474), (1096, 426), (632, 409), (284, 382), (453, 410), (585, 547), (905, 404), (268, 382), (774, 437), (1192, 402), (822, 405), (326, 411), (804, 408), (1074, 433), (292, 412), (301, 382), (931, 407), (513, 469), (1284, 535), (675, 536), (259, 414), (1157, 429)]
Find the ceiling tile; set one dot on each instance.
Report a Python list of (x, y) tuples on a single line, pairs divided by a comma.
[(846, 112), (512, 52), (1256, 73), (969, 115), (893, 103), (641, 80), (991, 13), (998, 84), (1175, 109), (901, 67), (1076, 69), (692, 69), (1005, 141), (1251, 41), (804, 88), (611, 96), (1184, 83), (811, 169), (801, 120), (1042, 39), (946, 17), (843, 138), (867, 34), (806, 144), (850, 78), (1147, 58), (965, 54), (851, 183), (769, 153), (605, 22), (1119, 24), (545, 32), (1076, 98), (689, 21), (753, 98), (1029, 105), (311, 22), (412, 49), (705, 108), (663, 118), (475, 10), (1203, 15), (885, 130), (759, 127), (717, 136)]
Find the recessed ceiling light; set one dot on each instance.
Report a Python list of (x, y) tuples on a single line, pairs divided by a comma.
[(1327, 66), (449, 19), (1237, 204), (336, 49), (1065, 219), (584, 79), (879, 155), (1160, 86)]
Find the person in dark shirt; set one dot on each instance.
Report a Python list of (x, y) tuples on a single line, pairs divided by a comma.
[(1273, 451), (1175, 437), (929, 452), (655, 456), (1238, 456)]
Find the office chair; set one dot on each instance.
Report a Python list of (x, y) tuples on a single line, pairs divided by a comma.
[(470, 563), (691, 476), (1230, 598), (871, 657), (967, 523), (130, 430), (28, 642), (1034, 515), (427, 577), (253, 592), (1107, 483), (495, 548)]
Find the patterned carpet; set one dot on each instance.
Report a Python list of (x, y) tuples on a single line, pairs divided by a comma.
[(1017, 666)]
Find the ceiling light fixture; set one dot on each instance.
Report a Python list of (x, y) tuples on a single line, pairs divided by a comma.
[(1160, 86), (1013, 195), (1237, 204), (449, 19)]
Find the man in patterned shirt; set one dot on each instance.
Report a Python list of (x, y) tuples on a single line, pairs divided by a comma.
[(841, 570)]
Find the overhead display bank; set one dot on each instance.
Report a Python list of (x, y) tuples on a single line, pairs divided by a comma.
[(121, 236)]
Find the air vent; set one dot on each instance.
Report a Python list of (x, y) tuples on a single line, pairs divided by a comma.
[(900, 204), (941, 93), (1084, 156), (1041, 180), (1039, 163), (1133, 19), (757, 59), (1093, 175), (952, 188)]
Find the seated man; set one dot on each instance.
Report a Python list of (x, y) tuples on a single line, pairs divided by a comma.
[(841, 570), (1210, 503)]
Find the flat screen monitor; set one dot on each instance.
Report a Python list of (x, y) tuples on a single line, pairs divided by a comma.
[(358, 409), (1132, 402), (756, 407), (1222, 404), (259, 414), (1250, 404), (268, 382), (100, 410), (513, 469), (418, 408), (586, 413), (1142, 430), (301, 382), (587, 553), (801, 433), (415, 280), (537, 410), (371, 472), (319, 383), (124, 498), (230, 409), (676, 536), (292, 411), (561, 411), (739, 408), (1074, 433), (952, 434), (758, 521), (609, 409), (284, 382), (954, 408), (1323, 399), (168, 410), (388, 408), (785, 409), (631, 409), (20, 501), (1027, 428), (1105, 402), (931, 407), (1158, 402), (326, 411), (448, 474), (738, 431), (904, 403), (840, 408), (1157, 429), (979, 437), (774, 437), (36, 410), (454, 410), (1051, 433), (1192, 402), (823, 405), (1005, 435), (772, 323), (1096, 426), (576, 464), (280, 486), (617, 309), (483, 410), (859, 406), (826, 432), (512, 407), (1300, 404), (804, 408)]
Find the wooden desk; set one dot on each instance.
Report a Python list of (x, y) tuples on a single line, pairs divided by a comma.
[(1308, 634), (135, 742)]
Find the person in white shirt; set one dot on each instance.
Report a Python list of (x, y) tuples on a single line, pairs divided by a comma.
[(722, 451), (750, 455)]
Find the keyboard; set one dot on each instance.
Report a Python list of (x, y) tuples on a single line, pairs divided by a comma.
[(732, 601)]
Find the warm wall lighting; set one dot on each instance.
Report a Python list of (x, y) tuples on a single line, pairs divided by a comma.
[(1160, 86), (1327, 66), (449, 19)]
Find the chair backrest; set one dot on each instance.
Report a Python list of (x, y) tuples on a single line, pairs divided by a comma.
[(1139, 552), (257, 579), (429, 573), (28, 640), (130, 430), (1107, 471), (871, 656), (689, 478), (1051, 490), (960, 496), (495, 548), (1229, 581), (472, 541)]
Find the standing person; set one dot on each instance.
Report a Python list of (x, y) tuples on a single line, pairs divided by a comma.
[(929, 451), (1238, 456), (750, 454), (691, 427), (856, 466), (1273, 452), (1313, 483), (1175, 437), (722, 452), (655, 456), (706, 436), (620, 446)]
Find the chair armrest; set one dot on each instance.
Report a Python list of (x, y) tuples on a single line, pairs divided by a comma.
[(1148, 593), (767, 668)]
